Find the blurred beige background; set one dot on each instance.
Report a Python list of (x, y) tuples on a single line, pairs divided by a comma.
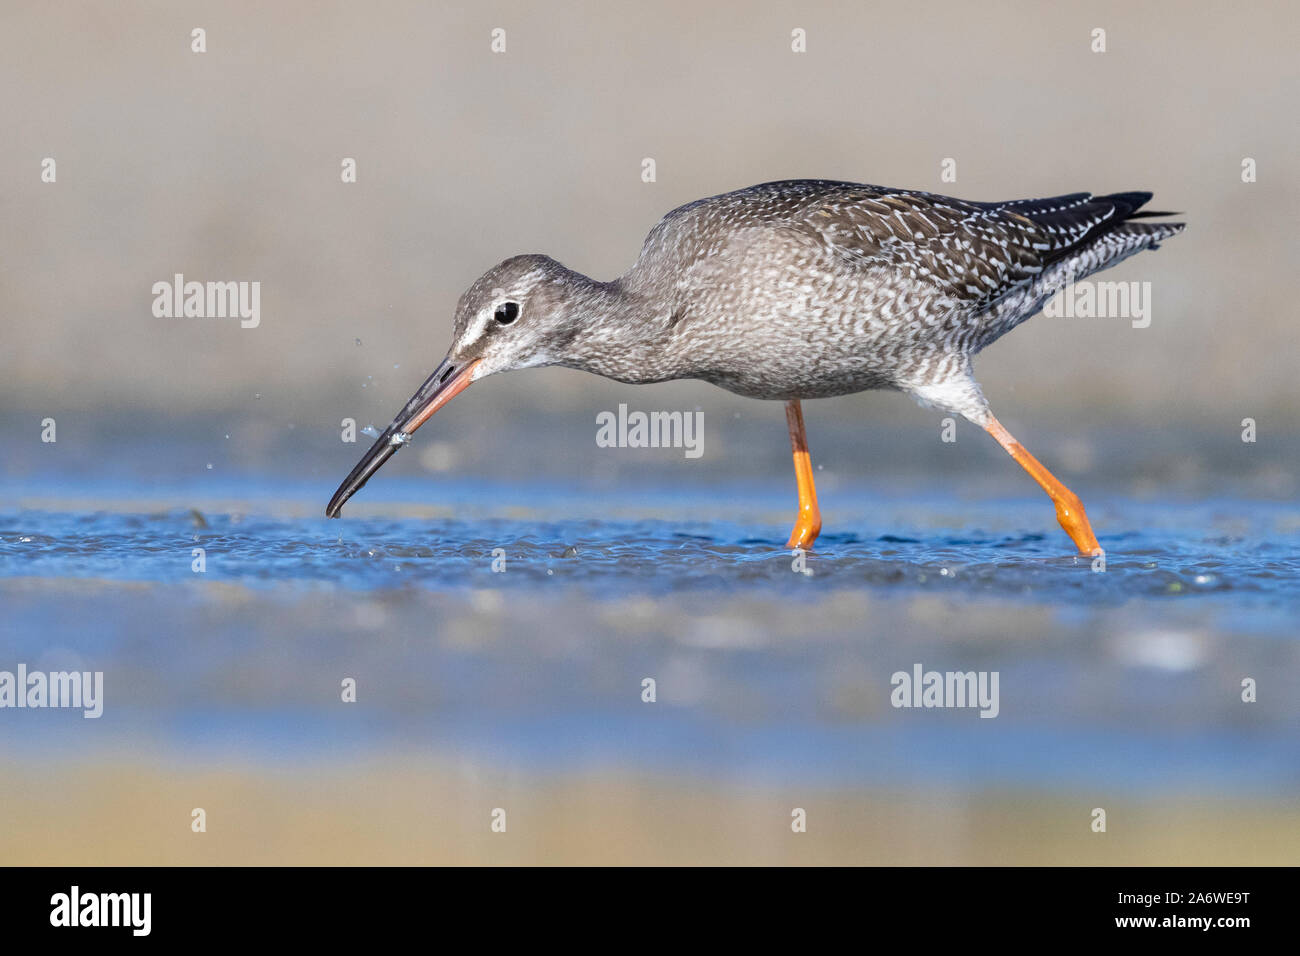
[(225, 166), (420, 812)]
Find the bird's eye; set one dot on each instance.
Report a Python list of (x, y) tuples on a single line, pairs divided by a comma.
[(507, 312)]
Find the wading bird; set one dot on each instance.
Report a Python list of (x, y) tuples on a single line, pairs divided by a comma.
[(795, 290)]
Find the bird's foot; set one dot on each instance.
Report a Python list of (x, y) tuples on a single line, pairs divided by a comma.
[(1070, 513), (804, 533)]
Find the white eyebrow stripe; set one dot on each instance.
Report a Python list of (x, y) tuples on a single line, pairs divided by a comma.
[(476, 329)]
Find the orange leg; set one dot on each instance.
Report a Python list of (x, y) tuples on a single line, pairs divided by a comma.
[(1069, 509), (809, 522)]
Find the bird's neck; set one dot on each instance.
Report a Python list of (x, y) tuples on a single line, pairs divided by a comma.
[(620, 334)]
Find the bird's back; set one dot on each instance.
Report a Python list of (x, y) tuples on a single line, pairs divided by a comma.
[(807, 288)]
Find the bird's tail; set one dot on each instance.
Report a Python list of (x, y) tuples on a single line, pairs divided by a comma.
[(1079, 234), (1092, 233), (1128, 208)]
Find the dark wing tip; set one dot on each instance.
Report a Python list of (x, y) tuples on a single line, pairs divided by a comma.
[(1129, 202)]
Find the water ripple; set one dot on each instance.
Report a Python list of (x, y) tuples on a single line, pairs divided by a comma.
[(620, 557)]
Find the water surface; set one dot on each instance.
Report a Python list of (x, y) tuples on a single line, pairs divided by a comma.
[(517, 624)]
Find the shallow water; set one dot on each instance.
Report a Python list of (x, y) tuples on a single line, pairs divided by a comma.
[(1125, 678), (1232, 555)]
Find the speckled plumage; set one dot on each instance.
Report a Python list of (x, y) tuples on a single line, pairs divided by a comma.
[(809, 289)]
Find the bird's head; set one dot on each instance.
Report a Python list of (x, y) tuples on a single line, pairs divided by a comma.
[(522, 313)]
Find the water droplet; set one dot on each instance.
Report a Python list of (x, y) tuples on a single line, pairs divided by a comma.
[(358, 341)]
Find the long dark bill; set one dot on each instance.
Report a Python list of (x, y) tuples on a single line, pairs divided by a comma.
[(446, 382)]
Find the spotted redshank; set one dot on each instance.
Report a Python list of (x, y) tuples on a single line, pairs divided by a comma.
[(795, 290)]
